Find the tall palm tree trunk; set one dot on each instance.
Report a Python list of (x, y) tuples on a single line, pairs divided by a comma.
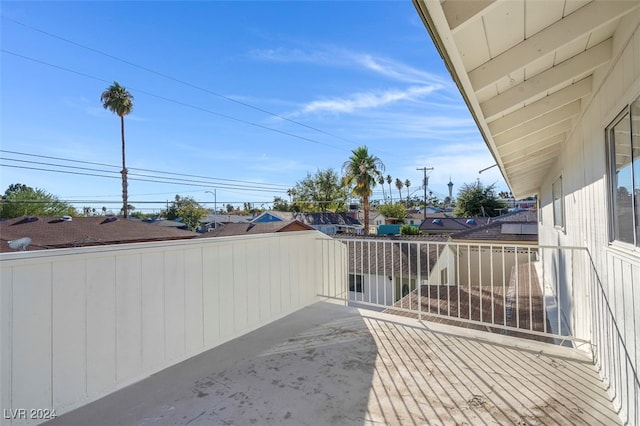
[(125, 202), (365, 205)]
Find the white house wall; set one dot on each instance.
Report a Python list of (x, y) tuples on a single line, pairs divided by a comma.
[(77, 324), (376, 289), (583, 167)]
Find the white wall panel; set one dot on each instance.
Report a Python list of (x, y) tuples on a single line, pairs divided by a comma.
[(285, 275), (174, 305), (583, 164), (128, 317), (101, 324), (262, 277), (69, 332), (153, 318), (193, 301), (211, 295), (119, 313), (240, 287), (6, 319), (31, 363), (226, 302), (275, 274), (253, 283)]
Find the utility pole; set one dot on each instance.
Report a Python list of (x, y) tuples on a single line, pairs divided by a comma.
[(424, 183), (215, 208)]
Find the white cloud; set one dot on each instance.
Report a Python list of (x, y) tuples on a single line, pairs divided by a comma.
[(344, 58), (368, 100)]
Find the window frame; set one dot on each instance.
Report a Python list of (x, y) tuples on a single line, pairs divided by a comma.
[(610, 142), (354, 284), (558, 221)]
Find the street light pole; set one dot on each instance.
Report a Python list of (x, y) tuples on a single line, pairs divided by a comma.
[(215, 208)]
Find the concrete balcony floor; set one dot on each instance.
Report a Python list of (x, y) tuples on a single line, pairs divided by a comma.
[(329, 364)]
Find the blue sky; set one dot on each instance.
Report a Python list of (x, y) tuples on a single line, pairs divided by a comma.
[(250, 96)]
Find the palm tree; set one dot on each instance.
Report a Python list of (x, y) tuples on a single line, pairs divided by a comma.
[(407, 184), (389, 180), (399, 185), (118, 100), (362, 171), (381, 182)]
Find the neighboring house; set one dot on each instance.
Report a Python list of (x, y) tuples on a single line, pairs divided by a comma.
[(450, 225), (51, 232), (384, 269), (212, 221), (233, 229), (178, 224), (464, 264), (556, 97), (328, 223), (414, 219)]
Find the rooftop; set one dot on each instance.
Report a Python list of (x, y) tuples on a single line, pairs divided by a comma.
[(55, 232), (330, 364)]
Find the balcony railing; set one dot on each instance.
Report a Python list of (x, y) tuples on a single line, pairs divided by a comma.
[(550, 294), (77, 324)]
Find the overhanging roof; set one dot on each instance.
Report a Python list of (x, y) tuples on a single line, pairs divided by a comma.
[(526, 69)]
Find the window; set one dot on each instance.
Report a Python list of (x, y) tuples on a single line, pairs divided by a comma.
[(558, 203), (444, 276), (623, 139), (355, 283)]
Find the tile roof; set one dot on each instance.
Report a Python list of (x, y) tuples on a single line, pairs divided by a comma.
[(495, 232), (53, 232), (497, 229), (317, 219), (448, 225), (231, 229)]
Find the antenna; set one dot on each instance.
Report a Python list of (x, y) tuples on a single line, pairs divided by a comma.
[(20, 244)]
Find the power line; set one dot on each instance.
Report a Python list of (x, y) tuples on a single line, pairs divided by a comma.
[(211, 92), (215, 181), (261, 126), (208, 185)]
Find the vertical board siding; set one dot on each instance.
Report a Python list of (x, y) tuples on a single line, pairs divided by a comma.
[(81, 323), (153, 310), (31, 372), (614, 280), (101, 325), (128, 318), (193, 301), (69, 332), (174, 305)]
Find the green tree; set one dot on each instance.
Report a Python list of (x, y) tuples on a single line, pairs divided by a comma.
[(395, 211), (407, 229), (361, 172), (477, 200), (322, 192), (187, 209), (389, 180), (280, 204), (22, 200), (118, 100)]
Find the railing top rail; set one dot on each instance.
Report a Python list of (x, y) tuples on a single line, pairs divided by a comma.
[(458, 243)]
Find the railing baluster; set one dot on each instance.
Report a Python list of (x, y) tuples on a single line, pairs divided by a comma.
[(530, 289), (419, 280)]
